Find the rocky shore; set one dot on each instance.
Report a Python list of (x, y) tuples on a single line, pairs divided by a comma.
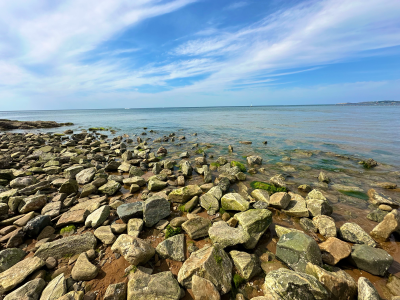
[(14, 124), (91, 216)]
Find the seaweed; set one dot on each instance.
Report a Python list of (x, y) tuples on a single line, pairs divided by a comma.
[(238, 280), (239, 165), (355, 194), (271, 189), (171, 231)]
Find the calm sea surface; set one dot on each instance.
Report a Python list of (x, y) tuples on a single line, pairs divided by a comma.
[(364, 131)]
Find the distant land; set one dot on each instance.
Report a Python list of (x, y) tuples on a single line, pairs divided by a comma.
[(368, 103)]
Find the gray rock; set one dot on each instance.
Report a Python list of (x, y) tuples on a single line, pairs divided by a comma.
[(248, 265), (31, 203), (55, 289), (322, 177), (36, 225), (375, 215), (83, 269), (254, 160), (373, 260), (197, 227), (319, 207), (136, 251), (297, 206), (186, 169), (52, 209), (22, 182), (135, 226), (69, 187), (110, 188), (29, 291), (116, 291), (184, 194), (10, 257), (85, 176), (390, 224), (98, 217), (71, 172), (135, 171), (260, 195), (155, 184), (105, 235), (326, 225), (353, 233), (172, 248), (209, 203), (130, 210), (204, 289), (224, 236), (155, 209), (140, 181), (366, 290)]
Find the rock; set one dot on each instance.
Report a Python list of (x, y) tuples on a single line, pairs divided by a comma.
[(204, 289), (297, 249), (23, 220), (116, 291), (319, 207), (393, 285), (248, 265), (9, 257), (118, 228), (105, 235), (98, 217), (261, 205), (110, 188), (278, 180), (172, 248), (136, 251), (385, 207), (135, 171), (191, 204), (378, 199), (280, 230), (333, 250), (36, 225), (336, 281), (72, 216), (184, 194), (47, 232), (326, 225), (4, 196), (135, 226), (161, 286), (13, 203), (390, 223), (308, 225), (207, 174), (387, 185), (23, 182), (255, 222), (197, 227), (305, 188), (373, 260), (69, 187), (71, 172), (366, 290), (211, 263), (297, 206), (288, 284), (55, 289), (130, 210), (260, 195), (209, 203), (87, 190), (322, 177), (224, 236), (135, 180), (234, 201), (83, 270), (70, 246), (31, 203), (353, 233), (29, 291), (154, 209), (178, 221), (254, 160), (279, 200), (79, 295), (85, 176), (52, 209), (18, 272), (155, 184), (186, 169), (224, 184), (51, 263)]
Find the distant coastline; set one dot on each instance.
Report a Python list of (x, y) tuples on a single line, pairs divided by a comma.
[(371, 103)]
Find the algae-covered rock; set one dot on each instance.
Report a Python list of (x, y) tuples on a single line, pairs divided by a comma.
[(110, 188), (234, 201), (184, 194)]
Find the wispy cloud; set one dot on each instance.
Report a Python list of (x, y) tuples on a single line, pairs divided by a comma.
[(237, 5)]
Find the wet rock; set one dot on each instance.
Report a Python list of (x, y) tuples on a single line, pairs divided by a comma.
[(98, 217), (110, 188), (279, 200), (393, 285), (130, 210), (172, 248), (211, 263), (280, 230), (116, 291), (390, 223), (155, 209), (224, 236), (184, 194), (18, 272), (197, 227), (297, 249), (136, 251), (353, 233), (67, 246), (254, 160), (186, 169), (142, 286), (373, 260), (278, 180), (13, 203), (378, 199), (377, 215), (248, 265), (105, 235), (308, 225), (288, 284), (387, 185), (255, 222), (140, 181), (55, 289), (333, 250), (191, 204), (305, 188), (155, 184), (36, 225), (326, 225), (234, 201), (207, 174), (209, 203), (29, 291), (366, 290), (32, 203), (9, 257), (85, 176), (322, 177), (4, 196), (224, 184), (260, 195), (84, 269)]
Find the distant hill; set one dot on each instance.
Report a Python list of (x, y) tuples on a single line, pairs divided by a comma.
[(369, 103)]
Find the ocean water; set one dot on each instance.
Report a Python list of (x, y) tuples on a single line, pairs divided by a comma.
[(360, 131)]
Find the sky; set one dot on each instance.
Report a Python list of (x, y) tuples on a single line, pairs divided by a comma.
[(79, 54)]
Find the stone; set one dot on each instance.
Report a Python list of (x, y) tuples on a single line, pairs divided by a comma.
[(315, 195), (87, 190), (184, 194), (260, 195), (72, 216), (55, 289), (279, 200), (209, 203), (71, 172), (224, 236), (191, 204), (186, 168), (336, 281), (79, 295), (135, 171), (83, 269), (116, 291), (297, 206), (353, 233), (105, 235), (224, 184), (197, 227), (29, 291), (51, 263), (67, 246), (135, 226), (254, 160), (288, 284), (23, 220), (155, 184), (366, 290), (47, 232), (234, 201), (319, 207), (52, 209), (110, 188), (130, 210), (15, 275), (163, 285), (140, 181), (379, 198), (280, 230), (22, 182), (69, 187), (390, 224), (373, 260), (297, 249), (216, 191), (85, 176), (248, 265), (204, 289), (118, 228), (9, 257), (211, 263), (322, 177), (31, 203), (154, 209), (326, 225), (134, 188), (305, 188), (98, 217), (172, 248), (178, 221), (333, 250), (4, 196), (136, 251), (36, 225), (255, 222), (393, 285), (13, 203), (278, 180)]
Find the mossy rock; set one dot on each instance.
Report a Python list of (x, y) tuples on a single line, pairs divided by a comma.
[(239, 165), (68, 230), (271, 189), (199, 151)]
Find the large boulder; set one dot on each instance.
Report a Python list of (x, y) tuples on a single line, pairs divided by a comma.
[(211, 263), (130, 210), (83, 269), (224, 235), (255, 222), (234, 201), (297, 249), (373, 260), (68, 246), (184, 194), (29, 291), (353, 233), (197, 227), (9, 257), (172, 248), (136, 251), (248, 265), (154, 209)]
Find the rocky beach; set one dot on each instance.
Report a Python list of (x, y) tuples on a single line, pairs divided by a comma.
[(96, 213)]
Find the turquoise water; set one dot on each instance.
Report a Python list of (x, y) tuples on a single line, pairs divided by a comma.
[(363, 131)]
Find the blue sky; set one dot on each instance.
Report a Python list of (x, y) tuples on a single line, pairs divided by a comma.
[(159, 53)]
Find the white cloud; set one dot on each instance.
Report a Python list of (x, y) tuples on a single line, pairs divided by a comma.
[(237, 5)]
